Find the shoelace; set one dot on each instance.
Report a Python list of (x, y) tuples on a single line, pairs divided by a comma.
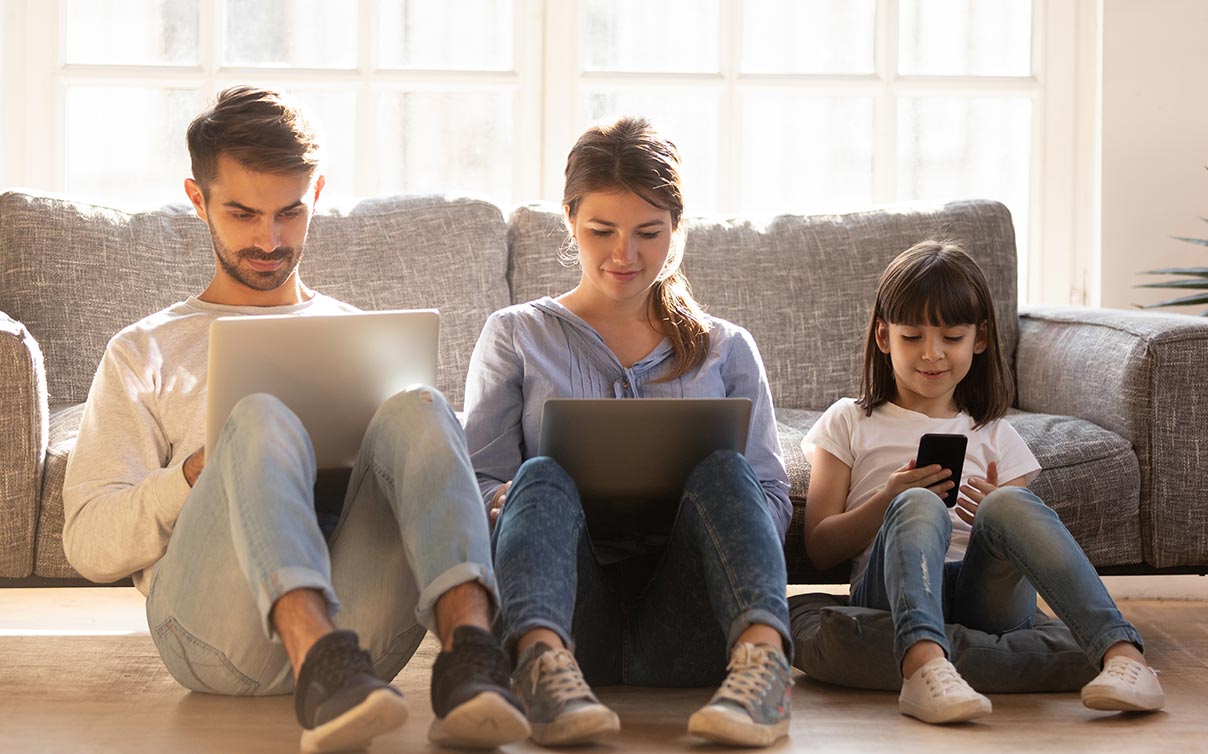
[(338, 661), (751, 675), (557, 670), (941, 678), (1126, 670)]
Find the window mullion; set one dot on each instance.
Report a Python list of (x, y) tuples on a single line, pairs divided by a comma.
[(729, 130), (885, 151), (563, 85)]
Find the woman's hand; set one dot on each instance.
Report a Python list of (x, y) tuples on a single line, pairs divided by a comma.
[(974, 492), (501, 496)]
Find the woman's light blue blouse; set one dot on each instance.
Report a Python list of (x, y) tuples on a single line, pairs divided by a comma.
[(530, 352)]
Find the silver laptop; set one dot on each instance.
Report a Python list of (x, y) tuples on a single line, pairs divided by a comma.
[(333, 371), (630, 458)]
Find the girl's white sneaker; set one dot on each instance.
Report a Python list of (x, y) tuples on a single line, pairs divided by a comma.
[(1124, 685), (936, 693)]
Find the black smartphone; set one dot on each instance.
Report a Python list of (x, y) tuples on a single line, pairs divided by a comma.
[(949, 452)]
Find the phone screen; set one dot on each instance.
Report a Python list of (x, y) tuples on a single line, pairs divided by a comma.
[(949, 452)]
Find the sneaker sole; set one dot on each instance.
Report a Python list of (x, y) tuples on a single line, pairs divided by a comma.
[(957, 713), (382, 711), (1106, 702), (733, 728), (485, 721), (581, 726)]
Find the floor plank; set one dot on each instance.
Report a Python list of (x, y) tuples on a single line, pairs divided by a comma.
[(93, 691)]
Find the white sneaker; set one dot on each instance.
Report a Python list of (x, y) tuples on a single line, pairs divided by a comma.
[(1124, 685), (936, 693)]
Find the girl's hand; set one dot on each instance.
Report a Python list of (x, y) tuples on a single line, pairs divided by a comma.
[(501, 496), (975, 491), (933, 477)]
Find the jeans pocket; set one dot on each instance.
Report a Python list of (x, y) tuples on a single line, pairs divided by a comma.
[(198, 666)]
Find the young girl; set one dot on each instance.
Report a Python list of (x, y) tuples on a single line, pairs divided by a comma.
[(658, 611), (932, 364)]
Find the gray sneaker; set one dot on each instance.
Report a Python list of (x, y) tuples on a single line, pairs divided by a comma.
[(561, 708), (752, 706)]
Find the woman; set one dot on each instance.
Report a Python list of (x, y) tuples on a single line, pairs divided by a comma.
[(647, 610)]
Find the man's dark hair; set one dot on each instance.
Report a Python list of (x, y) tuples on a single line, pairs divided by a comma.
[(265, 131)]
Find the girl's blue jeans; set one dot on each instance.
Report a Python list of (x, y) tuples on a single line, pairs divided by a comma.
[(1018, 547), (412, 527), (667, 619)]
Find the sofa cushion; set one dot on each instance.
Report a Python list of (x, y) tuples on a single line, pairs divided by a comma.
[(64, 261), (50, 560), (803, 286), (853, 646), (1083, 466)]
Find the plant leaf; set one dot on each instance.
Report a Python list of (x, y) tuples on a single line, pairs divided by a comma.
[(1198, 298), (1196, 241), (1197, 285), (1196, 271)]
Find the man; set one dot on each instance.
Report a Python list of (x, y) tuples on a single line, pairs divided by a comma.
[(242, 587)]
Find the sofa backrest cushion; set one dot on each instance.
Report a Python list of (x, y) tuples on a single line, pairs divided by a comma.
[(803, 285), (76, 273)]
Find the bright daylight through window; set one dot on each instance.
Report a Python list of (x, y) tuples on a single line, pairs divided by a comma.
[(777, 105)]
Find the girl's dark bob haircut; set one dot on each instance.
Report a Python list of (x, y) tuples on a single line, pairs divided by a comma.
[(936, 283)]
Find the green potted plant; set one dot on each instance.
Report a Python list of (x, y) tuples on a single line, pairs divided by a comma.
[(1197, 282)]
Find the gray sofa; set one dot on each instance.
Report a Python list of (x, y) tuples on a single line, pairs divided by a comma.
[(1113, 403)]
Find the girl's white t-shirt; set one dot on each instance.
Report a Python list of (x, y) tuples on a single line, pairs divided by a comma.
[(876, 446)]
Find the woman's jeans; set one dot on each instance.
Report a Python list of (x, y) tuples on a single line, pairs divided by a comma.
[(668, 620), (412, 527), (1018, 547)]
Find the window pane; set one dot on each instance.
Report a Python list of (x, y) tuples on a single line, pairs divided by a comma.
[(304, 33), (966, 148), (437, 142), (966, 37), (805, 154), (144, 126), (436, 34), (688, 120), (808, 36), (336, 111), (131, 32), (650, 35)]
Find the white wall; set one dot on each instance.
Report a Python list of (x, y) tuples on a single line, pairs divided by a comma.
[(1154, 144)]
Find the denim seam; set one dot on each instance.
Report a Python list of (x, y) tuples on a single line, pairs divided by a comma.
[(721, 554)]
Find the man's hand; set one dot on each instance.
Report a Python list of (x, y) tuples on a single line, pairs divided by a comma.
[(501, 496), (193, 466)]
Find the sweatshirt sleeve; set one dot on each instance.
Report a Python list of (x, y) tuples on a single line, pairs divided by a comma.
[(745, 377), (120, 497), (494, 406)]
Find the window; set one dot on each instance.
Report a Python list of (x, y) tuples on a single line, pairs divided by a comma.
[(777, 105)]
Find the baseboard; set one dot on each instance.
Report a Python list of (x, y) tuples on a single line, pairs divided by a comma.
[(1168, 587)]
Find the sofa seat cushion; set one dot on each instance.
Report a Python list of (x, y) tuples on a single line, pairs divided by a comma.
[(49, 560), (853, 646), (1083, 465)]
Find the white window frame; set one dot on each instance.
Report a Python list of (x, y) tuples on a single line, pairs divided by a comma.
[(1058, 261), (38, 125)]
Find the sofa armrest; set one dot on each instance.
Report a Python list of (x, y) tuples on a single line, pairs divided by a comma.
[(1144, 376), (24, 418)]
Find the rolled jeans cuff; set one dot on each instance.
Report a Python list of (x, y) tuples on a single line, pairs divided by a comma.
[(285, 580), (462, 573), (1102, 642), (748, 618)]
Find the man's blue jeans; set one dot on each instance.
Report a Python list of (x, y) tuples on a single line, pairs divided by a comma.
[(1018, 547), (412, 527), (664, 620)]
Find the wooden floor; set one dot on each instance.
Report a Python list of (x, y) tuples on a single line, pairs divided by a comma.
[(78, 673)]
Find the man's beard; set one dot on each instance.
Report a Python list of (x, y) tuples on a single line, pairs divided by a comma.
[(251, 278)]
